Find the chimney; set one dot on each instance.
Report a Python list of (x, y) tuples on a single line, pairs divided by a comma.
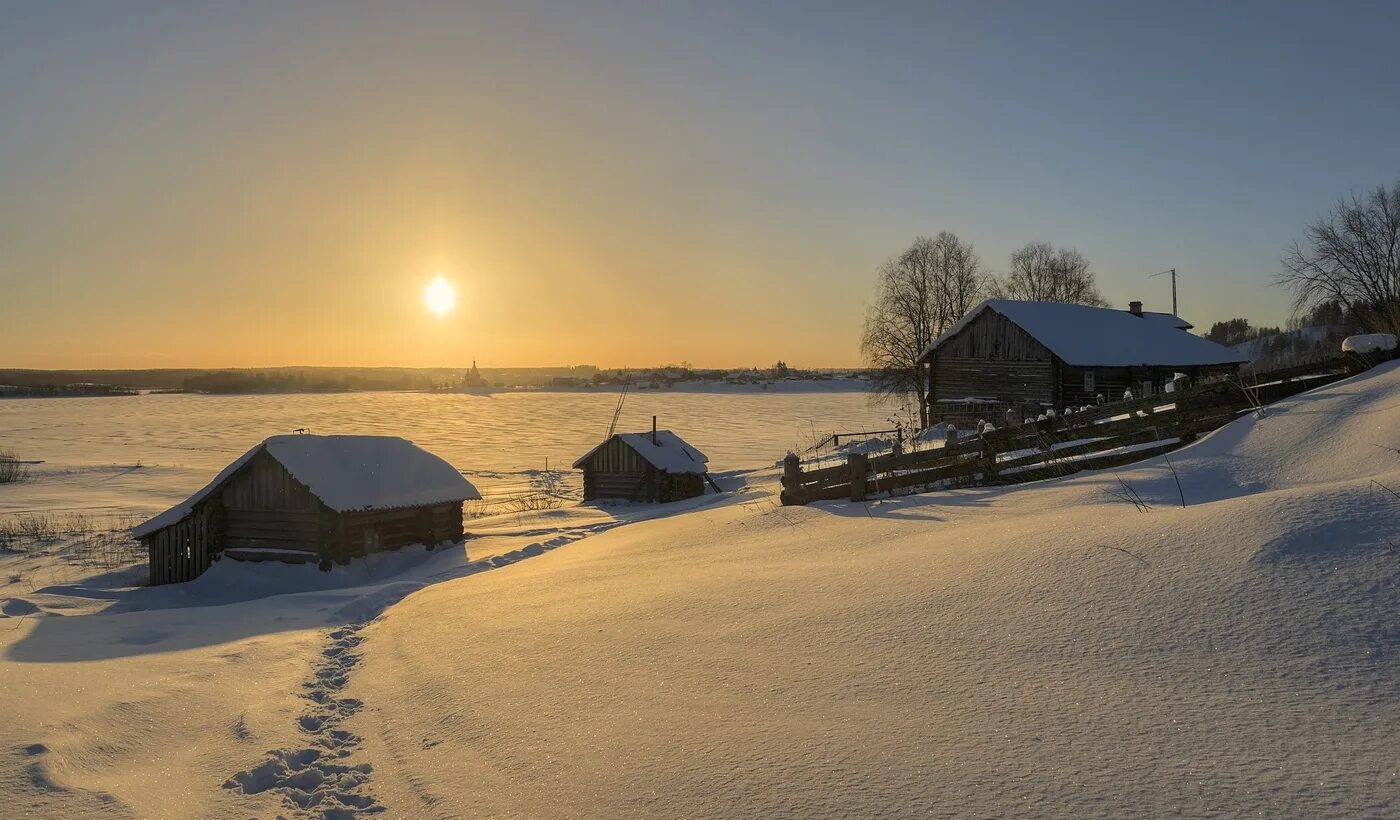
[(653, 429), (1135, 308)]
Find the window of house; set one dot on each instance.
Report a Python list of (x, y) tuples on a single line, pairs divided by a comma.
[(1088, 381), (1147, 387)]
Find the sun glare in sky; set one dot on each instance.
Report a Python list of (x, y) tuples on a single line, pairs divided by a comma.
[(440, 296)]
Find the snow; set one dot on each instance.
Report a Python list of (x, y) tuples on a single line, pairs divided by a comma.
[(669, 452), (347, 473), (369, 472), (143, 454), (1040, 650), (1082, 335), (1259, 346), (1369, 343)]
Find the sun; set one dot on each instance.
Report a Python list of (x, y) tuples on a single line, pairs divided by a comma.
[(439, 296)]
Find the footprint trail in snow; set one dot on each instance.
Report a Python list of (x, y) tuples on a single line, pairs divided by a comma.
[(319, 780)]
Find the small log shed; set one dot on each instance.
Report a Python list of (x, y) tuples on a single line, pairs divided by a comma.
[(1028, 357), (655, 466), (308, 498)]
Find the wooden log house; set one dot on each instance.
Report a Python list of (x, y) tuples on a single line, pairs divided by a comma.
[(307, 498), (655, 466), (1009, 358)]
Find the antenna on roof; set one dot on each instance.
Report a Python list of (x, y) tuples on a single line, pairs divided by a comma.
[(621, 397), (1172, 271)]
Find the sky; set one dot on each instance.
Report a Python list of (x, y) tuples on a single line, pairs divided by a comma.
[(632, 184)]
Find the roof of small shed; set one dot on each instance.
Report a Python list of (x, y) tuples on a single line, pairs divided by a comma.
[(1087, 336), (670, 452), (347, 473)]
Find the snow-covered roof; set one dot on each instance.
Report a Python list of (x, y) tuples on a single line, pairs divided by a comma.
[(347, 473), (1087, 336), (670, 452)]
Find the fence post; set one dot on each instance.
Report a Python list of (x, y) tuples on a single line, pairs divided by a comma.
[(791, 494), (989, 460), (857, 467)]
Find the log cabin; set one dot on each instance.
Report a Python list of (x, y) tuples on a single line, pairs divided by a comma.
[(656, 466), (308, 498), (1015, 359)]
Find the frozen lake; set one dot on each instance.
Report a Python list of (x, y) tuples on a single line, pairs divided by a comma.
[(89, 445)]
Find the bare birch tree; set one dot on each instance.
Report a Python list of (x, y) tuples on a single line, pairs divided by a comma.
[(918, 294), (1041, 273), (1351, 256)]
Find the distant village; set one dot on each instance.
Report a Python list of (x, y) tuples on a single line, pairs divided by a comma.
[(658, 378)]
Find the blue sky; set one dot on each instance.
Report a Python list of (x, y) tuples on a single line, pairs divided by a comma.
[(180, 183)]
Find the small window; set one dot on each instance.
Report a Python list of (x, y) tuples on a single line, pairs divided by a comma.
[(1088, 381)]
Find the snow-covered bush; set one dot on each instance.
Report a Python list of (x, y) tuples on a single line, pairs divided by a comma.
[(1368, 343)]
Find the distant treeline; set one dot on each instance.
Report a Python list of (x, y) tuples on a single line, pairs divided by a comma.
[(270, 379), (242, 381), (33, 391)]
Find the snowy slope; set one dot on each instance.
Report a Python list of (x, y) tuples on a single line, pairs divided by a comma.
[(1043, 650), (1254, 348), (1032, 651)]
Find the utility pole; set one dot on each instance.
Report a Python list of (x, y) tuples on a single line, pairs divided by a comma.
[(1173, 274)]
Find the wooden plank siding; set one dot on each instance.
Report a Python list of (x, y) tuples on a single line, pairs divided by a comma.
[(615, 470), (992, 336), (264, 484), (992, 358), (181, 551), (617, 457)]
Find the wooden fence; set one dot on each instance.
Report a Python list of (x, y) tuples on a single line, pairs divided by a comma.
[(1103, 436)]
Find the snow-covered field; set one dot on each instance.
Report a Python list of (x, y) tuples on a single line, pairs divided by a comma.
[(140, 454), (1043, 650)]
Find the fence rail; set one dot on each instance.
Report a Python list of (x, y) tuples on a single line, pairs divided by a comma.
[(1102, 436)]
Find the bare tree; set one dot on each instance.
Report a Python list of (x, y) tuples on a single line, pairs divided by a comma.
[(1039, 272), (918, 294), (1351, 256)]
